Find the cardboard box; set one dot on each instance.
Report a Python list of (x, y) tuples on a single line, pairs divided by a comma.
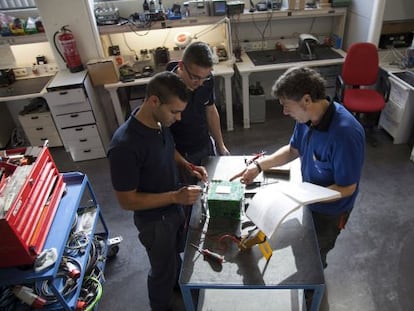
[(103, 71)]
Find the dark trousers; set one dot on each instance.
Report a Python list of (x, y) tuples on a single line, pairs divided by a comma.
[(163, 240), (327, 229)]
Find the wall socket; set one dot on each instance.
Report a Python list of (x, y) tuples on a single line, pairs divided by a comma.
[(254, 45), (20, 72), (51, 67)]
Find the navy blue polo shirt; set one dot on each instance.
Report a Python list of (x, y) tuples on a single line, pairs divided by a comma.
[(191, 133), (331, 153), (142, 159)]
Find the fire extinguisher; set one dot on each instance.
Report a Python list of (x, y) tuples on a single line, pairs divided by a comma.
[(70, 53)]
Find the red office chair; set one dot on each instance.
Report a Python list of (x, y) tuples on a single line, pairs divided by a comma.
[(360, 87)]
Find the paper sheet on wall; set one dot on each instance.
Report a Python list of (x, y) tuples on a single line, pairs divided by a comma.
[(7, 59)]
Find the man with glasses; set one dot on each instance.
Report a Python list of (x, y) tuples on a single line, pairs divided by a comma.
[(143, 165), (200, 119)]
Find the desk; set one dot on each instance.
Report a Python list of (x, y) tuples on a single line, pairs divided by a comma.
[(246, 67), (223, 69), (20, 90), (295, 263)]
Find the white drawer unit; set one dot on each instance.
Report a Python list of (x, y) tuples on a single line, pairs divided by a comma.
[(75, 119), (397, 118), (77, 115), (82, 142), (40, 127)]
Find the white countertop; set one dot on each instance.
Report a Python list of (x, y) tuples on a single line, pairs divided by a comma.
[(392, 61), (66, 78), (224, 68), (29, 95)]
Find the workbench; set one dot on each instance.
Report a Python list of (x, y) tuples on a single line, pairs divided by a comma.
[(295, 264), (246, 67), (223, 69)]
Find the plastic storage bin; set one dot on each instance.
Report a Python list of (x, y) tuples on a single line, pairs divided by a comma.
[(257, 108)]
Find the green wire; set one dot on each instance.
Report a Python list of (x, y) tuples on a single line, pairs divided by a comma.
[(98, 294)]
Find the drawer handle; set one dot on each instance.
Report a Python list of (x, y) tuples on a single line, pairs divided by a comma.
[(79, 129), (39, 128), (74, 115), (63, 93), (87, 150), (34, 117), (83, 140)]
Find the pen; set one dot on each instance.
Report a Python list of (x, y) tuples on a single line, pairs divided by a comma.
[(256, 156)]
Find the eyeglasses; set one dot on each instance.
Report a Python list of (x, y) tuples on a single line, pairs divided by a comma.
[(196, 78)]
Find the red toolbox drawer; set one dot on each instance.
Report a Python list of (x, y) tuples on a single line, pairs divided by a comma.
[(30, 192)]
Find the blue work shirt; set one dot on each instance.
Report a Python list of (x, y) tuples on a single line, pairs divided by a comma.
[(331, 153)]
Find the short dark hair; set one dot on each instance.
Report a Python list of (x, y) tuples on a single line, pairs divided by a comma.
[(198, 53), (296, 82), (166, 85)]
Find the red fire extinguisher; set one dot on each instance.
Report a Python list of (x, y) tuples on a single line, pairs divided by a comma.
[(70, 53)]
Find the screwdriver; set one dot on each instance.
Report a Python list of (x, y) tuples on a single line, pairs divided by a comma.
[(209, 254)]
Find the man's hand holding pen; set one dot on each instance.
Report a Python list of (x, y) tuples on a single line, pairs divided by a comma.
[(198, 171), (251, 171), (248, 175)]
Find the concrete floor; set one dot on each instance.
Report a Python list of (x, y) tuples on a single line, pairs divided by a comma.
[(370, 268)]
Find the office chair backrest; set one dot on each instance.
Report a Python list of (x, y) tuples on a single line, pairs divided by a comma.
[(361, 64)]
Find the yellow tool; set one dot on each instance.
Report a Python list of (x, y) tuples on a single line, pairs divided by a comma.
[(257, 237)]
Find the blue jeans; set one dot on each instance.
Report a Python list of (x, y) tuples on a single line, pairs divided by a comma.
[(163, 239)]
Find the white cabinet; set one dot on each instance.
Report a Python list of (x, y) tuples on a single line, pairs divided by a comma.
[(397, 118), (40, 127), (77, 115)]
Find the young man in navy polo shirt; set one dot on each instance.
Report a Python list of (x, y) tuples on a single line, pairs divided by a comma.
[(200, 120), (143, 164)]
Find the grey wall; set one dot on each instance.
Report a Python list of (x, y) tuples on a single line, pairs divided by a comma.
[(399, 10)]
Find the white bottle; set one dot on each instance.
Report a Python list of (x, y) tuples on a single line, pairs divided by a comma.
[(215, 56)]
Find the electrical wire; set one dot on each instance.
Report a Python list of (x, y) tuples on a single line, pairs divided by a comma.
[(235, 29), (268, 22), (8, 301), (77, 243), (210, 28), (98, 291), (128, 46)]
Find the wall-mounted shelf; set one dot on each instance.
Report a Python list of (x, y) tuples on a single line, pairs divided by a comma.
[(189, 21), (25, 39), (288, 14)]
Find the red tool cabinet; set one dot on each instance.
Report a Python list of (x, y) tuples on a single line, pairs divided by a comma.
[(30, 190)]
